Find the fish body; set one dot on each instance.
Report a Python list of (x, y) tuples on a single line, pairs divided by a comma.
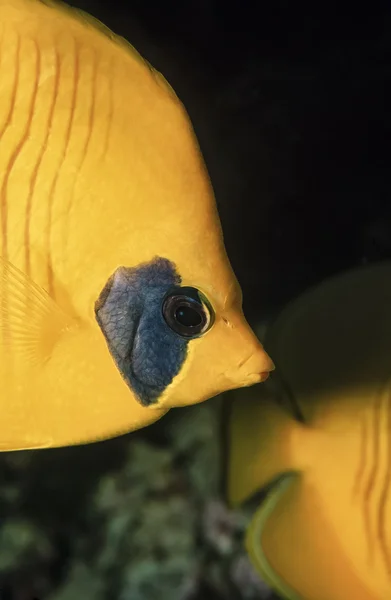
[(107, 223), (323, 531)]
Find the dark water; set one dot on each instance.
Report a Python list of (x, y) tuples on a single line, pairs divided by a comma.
[(291, 110), (292, 114)]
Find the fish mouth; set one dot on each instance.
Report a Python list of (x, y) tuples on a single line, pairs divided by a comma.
[(264, 375), (258, 377)]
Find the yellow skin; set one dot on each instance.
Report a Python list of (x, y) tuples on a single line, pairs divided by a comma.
[(324, 530), (99, 169)]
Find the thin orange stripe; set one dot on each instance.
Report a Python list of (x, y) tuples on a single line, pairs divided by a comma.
[(54, 184), (373, 474), (38, 165), (384, 495)]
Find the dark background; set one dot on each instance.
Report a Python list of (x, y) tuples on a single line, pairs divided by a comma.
[(291, 108)]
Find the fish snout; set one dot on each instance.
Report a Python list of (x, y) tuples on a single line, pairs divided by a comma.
[(230, 357), (252, 364), (257, 367)]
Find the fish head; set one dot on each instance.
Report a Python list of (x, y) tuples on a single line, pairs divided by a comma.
[(174, 323), (149, 233), (226, 356)]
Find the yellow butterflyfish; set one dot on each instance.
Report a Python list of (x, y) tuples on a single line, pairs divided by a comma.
[(117, 299)]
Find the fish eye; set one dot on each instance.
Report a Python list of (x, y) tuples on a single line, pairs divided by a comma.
[(187, 312)]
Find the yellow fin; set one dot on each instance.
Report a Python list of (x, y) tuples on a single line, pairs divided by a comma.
[(31, 322)]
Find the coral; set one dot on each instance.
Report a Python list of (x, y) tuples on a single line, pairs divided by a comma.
[(141, 517)]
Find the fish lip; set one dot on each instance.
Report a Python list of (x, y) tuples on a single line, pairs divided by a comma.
[(265, 375), (260, 377)]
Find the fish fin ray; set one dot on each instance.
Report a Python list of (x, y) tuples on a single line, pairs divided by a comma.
[(31, 322)]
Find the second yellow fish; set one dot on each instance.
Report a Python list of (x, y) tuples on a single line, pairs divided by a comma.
[(323, 529), (117, 299)]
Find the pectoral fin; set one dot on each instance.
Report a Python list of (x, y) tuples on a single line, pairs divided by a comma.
[(31, 322)]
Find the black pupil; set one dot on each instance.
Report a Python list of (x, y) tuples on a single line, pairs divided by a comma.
[(188, 317)]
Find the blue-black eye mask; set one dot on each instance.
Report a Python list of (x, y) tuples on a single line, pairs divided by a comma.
[(148, 319)]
